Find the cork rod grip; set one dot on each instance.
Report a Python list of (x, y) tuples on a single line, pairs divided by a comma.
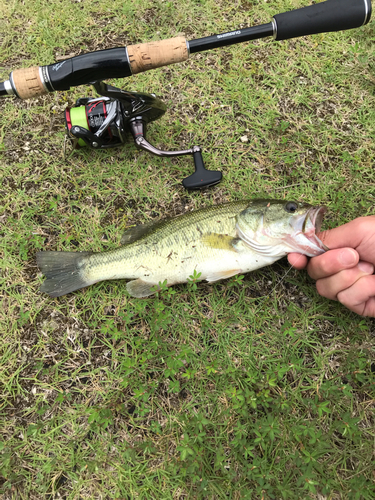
[(151, 55), (28, 83)]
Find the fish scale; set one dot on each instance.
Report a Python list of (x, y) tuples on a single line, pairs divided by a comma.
[(179, 235)]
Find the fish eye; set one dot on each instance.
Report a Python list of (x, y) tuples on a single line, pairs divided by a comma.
[(291, 207)]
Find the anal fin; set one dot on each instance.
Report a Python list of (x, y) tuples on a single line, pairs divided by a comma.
[(139, 288)]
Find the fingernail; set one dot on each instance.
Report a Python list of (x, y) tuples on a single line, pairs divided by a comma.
[(366, 267), (348, 257)]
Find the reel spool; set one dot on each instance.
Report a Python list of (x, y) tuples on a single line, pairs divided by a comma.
[(107, 121)]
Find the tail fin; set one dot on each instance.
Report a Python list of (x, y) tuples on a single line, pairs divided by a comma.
[(63, 271)]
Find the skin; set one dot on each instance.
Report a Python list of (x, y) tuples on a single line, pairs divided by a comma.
[(345, 272)]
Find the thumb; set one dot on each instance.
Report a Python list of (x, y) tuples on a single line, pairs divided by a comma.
[(347, 235)]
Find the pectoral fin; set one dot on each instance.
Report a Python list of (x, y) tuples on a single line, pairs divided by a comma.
[(139, 288), (222, 275), (220, 241)]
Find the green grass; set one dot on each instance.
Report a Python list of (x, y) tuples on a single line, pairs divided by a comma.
[(249, 388)]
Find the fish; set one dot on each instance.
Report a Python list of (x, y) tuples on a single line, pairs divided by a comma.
[(212, 243)]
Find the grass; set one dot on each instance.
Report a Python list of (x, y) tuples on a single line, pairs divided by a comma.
[(253, 387)]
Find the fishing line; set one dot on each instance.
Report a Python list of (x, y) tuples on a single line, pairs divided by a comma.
[(281, 279), (287, 272)]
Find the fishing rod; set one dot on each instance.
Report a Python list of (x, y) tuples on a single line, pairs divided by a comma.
[(331, 15), (108, 120)]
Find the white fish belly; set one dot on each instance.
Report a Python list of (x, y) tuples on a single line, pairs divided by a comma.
[(212, 264)]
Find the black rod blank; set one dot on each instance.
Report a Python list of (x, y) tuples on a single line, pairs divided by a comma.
[(231, 38)]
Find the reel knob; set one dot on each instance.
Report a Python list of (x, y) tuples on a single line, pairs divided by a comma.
[(202, 177)]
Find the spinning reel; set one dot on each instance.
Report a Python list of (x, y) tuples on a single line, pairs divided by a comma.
[(108, 121)]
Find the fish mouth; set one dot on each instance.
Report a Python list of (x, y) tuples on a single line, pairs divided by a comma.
[(315, 217), (307, 226)]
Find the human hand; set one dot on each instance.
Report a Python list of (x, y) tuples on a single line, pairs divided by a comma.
[(345, 272)]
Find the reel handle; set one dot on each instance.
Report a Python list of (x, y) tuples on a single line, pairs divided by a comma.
[(200, 179), (332, 15)]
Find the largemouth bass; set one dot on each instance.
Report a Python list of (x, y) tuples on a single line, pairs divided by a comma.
[(218, 242)]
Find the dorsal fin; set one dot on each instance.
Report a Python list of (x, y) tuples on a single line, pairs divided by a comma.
[(135, 232)]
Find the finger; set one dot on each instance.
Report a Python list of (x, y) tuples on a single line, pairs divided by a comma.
[(297, 260), (347, 235), (332, 262), (360, 297), (330, 287)]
